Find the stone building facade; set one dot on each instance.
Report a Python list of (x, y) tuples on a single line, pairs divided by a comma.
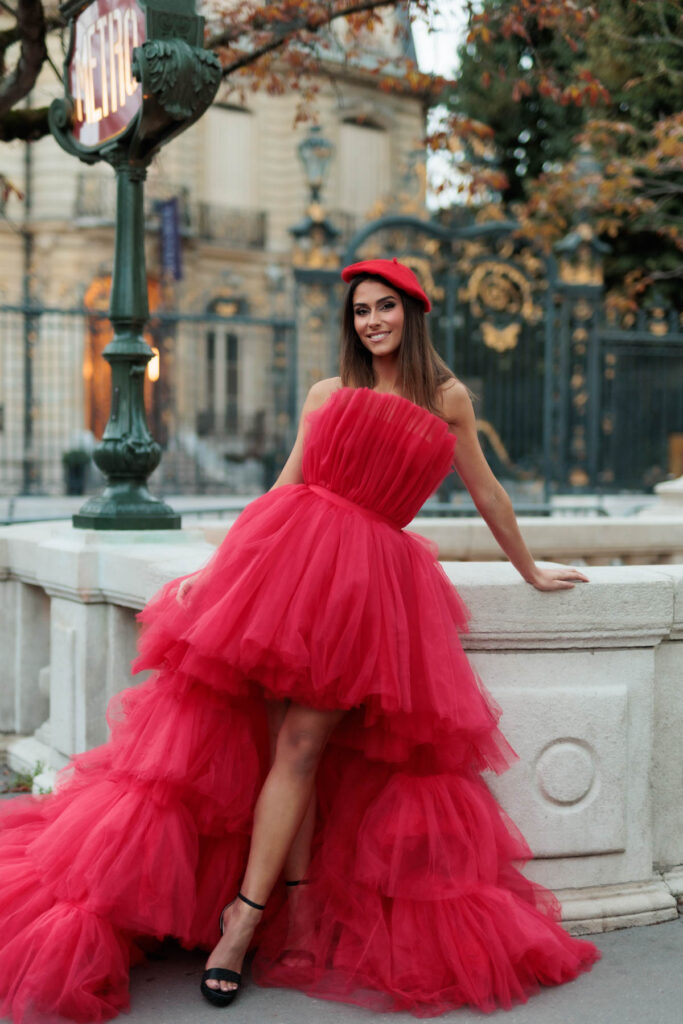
[(240, 187)]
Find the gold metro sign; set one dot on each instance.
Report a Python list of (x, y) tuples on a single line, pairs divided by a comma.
[(104, 92)]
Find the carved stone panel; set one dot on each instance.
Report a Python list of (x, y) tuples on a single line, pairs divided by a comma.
[(580, 723)]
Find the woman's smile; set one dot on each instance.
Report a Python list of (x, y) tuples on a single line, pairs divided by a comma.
[(378, 316)]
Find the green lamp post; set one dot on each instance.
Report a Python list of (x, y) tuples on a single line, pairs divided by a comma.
[(136, 75)]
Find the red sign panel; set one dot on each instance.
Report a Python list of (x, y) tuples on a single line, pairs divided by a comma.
[(105, 94)]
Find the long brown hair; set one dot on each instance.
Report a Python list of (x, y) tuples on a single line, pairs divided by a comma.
[(421, 370)]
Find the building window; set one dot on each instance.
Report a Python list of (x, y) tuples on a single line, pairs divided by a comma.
[(229, 165), (364, 171), (221, 412), (231, 384), (208, 420)]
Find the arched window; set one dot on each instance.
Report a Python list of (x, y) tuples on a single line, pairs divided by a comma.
[(364, 165)]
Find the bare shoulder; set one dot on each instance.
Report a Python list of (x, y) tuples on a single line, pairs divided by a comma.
[(320, 391), (324, 388), (454, 400)]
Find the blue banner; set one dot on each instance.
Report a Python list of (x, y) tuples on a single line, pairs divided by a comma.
[(170, 253)]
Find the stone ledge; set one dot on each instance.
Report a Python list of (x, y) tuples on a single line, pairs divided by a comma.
[(620, 607), (608, 907), (675, 574), (92, 566), (7, 739), (641, 538), (674, 881), (23, 753)]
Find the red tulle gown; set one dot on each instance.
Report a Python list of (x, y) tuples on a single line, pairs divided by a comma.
[(316, 595)]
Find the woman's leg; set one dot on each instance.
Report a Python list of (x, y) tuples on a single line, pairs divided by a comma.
[(280, 810), (295, 954), (299, 855)]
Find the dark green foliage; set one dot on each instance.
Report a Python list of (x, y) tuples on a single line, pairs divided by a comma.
[(532, 133)]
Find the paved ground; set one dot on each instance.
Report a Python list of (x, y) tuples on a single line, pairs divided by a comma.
[(638, 981)]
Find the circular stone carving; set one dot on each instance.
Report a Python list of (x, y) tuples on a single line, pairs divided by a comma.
[(565, 772)]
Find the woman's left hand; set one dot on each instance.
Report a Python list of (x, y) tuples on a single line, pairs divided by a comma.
[(557, 578)]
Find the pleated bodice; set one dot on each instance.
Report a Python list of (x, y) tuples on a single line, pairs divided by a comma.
[(377, 450)]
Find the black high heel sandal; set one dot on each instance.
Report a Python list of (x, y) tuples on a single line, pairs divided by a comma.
[(217, 996)]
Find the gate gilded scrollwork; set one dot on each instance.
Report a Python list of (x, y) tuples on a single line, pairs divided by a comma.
[(557, 380)]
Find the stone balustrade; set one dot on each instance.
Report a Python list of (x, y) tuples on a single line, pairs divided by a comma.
[(608, 540), (646, 539), (590, 682)]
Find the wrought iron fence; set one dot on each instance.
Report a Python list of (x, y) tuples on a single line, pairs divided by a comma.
[(568, 397), (219, 398), (490, 293), (636, 382)]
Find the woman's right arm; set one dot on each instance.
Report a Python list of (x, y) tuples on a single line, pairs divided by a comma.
[(292, 471)]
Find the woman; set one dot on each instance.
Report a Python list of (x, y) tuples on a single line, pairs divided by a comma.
[(312, 717)]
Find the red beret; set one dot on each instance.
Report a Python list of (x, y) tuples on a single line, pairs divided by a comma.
[(392, 271)]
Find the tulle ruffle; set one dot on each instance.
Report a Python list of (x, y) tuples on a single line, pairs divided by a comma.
[(319, 604), (427, 910), (416, 901)]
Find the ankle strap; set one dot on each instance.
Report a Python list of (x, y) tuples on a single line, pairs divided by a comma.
[(256, 906), (299, 881)]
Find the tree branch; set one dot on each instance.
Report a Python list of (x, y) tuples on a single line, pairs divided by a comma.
[(24, 125), (55, 68), (666, 188), (661, 18), (665, 275), (251, 58), (9, 36), (31, 28), (668, 38), (311, 20)]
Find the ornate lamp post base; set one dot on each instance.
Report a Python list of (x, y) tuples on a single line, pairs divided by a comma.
[(126, 506)]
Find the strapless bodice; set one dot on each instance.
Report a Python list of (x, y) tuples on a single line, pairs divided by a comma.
[(378, 451)]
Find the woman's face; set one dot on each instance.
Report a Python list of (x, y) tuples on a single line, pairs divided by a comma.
[(378, 317)]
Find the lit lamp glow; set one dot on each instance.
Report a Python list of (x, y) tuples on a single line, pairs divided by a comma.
[(153, 366)]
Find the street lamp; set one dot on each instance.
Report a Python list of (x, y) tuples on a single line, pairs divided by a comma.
[(316, 272), (315, 153), (315, 232), (136, 75)]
